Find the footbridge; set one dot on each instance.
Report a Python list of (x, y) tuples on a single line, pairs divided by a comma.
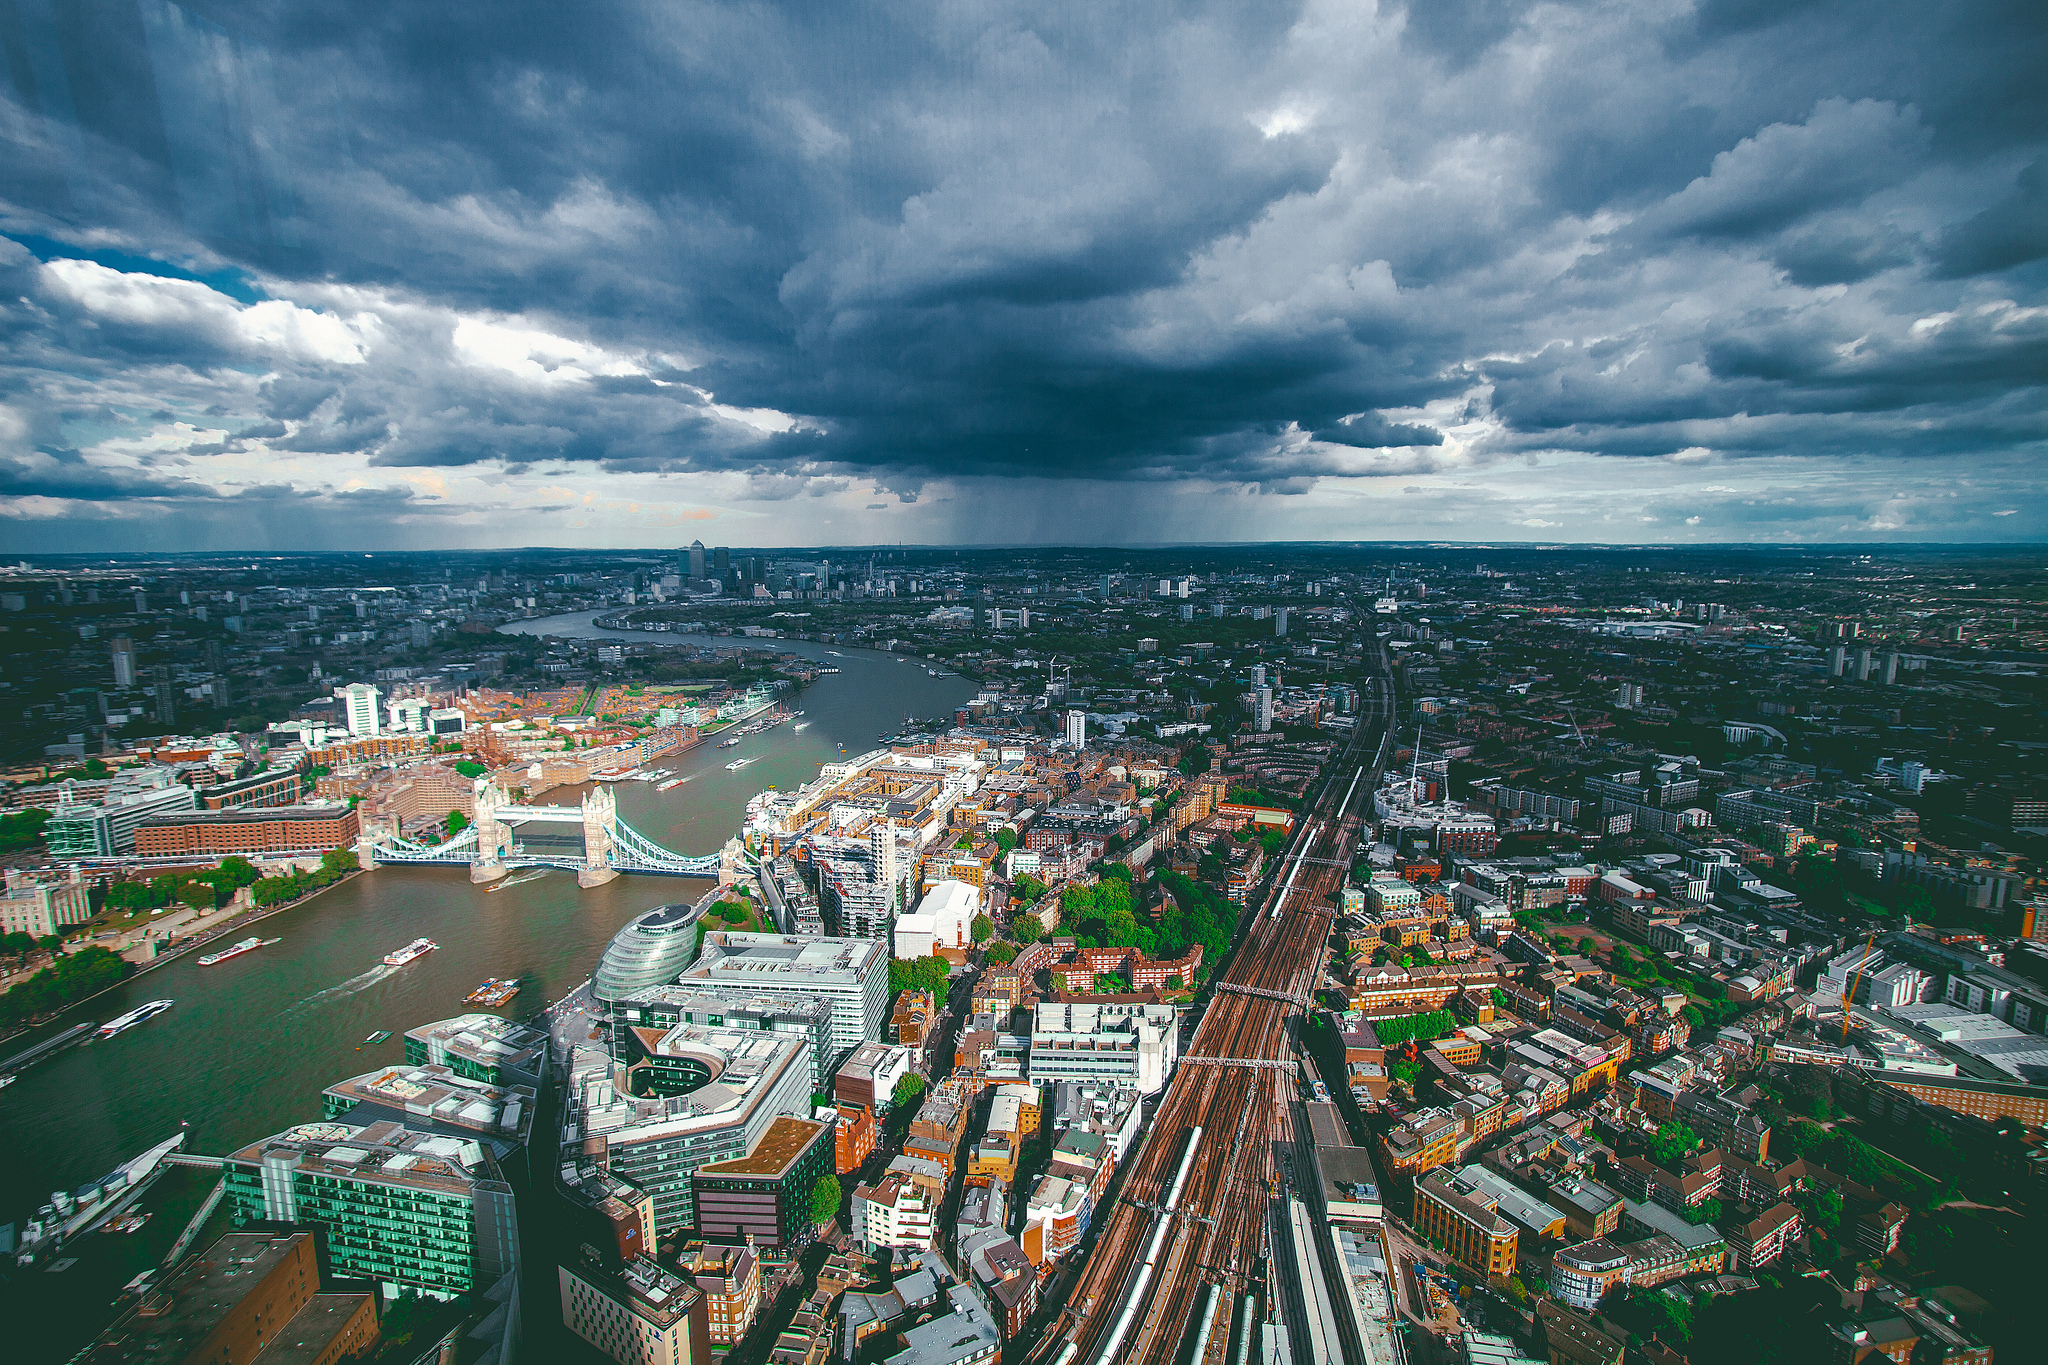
[(589, 839)]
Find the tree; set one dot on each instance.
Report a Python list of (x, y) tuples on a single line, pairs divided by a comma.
[(983, 928), (1002, 954), (1706, 1211), (199, 895), (236, 872), (17, 944), (908, 1088), (133, 896), (1029, 888), (471, 768), (1006, 838), (1027, 929), (457, 822), (732, 912), (1673, 1141), (825, 1195)]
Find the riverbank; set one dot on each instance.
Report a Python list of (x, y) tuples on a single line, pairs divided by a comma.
[(254, 915)]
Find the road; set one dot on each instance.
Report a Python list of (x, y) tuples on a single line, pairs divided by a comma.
[(1152, 1269)]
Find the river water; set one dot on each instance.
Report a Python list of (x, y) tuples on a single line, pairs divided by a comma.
[(253, 1041)]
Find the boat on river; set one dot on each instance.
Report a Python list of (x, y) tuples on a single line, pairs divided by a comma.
[(247, 945), (419, 947), (141, 1014), (494, 992)]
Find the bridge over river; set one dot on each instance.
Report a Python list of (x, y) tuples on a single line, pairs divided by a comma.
[(588, 839)]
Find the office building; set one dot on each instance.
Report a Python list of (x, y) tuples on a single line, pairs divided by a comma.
[(481, 1047), (642, 1315), (435, 1101), (642, 1017), (1134, 1045), (850, 973), (764, 1198), (1465, 1220), (359, 705), (108, 830), (715, 1101), (1077, 729), (40, 906), (650, 951), (258, 831), (406, 1209), (124, 661), (248, 1297)]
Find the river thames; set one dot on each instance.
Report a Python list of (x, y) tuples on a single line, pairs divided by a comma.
[(253, 1041)]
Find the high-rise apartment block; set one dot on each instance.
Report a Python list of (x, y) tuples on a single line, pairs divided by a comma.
[(1077, 729)]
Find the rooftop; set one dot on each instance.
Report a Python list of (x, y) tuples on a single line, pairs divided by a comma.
[(785, 1141), (779, 961)]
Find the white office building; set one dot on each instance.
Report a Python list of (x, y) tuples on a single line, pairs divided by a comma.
[(1133, 1045), (851, 973), (360, 701)]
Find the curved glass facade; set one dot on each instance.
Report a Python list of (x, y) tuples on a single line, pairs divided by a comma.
[(651, 951)]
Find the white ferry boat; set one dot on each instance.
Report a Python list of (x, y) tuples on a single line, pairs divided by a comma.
[(247, 945), (799, 726), (618, 774), (739, 763), (141, 1014), (419, 947)]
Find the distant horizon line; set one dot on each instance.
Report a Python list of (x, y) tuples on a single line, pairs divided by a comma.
[(1825, 547)]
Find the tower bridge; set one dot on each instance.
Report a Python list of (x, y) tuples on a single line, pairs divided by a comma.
[(589, 839)]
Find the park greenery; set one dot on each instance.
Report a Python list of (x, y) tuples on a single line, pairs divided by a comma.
[(335, 864), (920, 974), (1672, 1141), (22, 829), (66, 981), (1001, 953), (1420, 1027)]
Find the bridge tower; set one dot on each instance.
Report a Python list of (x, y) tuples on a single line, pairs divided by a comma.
[(600, 813), (493, 840)]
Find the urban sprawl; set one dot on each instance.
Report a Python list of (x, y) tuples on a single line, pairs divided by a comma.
[(1300, 953)]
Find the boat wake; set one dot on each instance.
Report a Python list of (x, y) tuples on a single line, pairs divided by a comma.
[(520, 880), (348, 987)]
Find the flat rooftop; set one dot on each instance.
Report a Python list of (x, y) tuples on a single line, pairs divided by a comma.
[(484, 1039), (784, 961), (785, 1141), (434, 1093)]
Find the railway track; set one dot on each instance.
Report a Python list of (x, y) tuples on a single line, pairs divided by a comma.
[(1159, 1260)]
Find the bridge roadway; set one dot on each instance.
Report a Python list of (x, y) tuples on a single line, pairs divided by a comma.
[(1240, 1110)]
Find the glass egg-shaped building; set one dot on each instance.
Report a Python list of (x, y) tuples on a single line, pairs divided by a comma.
[(651, 951)]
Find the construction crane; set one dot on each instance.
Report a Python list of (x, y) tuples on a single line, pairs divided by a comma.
[(1855, 979)]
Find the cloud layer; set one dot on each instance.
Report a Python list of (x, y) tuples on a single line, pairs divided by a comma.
[(388, 274)]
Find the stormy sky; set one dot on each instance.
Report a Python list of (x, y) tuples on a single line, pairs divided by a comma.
[(391, 275)]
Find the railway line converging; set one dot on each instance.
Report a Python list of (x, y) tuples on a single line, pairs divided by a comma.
[(1184, 1241)]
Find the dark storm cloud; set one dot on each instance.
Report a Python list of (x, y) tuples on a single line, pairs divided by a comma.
[(1245, 245)]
